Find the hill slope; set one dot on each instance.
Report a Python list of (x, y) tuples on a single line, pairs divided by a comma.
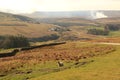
[(13, 17), (11, 24), (88, 14), (66, 28), (114, 20), (103, 68), (82, 61)]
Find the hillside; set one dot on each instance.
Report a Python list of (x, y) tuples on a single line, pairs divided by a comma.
[(65, 28), (87, 14), (85, 60), (78, 27), (103, 68), (13, 17), (68, 51), (11, 24), (111, 13), (29, 30), (114, 20)]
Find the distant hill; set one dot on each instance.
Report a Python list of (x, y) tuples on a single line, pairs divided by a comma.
[(11, 24), (66, 28), (67, 14), (112, 14), (111, 20), (13, 17), (77, 14)]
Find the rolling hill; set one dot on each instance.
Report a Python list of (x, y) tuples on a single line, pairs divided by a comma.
[(83, 56), (89, 14), (82, 60), (11, 24), (112, 20), (13, 17), (65, 28)]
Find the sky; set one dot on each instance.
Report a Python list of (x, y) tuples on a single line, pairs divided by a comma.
[(30, 6)]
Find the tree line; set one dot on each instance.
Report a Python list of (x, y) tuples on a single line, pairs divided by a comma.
[(105, 31), (10, 41)]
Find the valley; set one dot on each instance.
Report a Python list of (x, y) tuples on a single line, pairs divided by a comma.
[(72, 48)]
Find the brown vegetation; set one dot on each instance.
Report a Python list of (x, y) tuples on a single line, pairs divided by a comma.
[(110, 40), (30, 30), (69, 51)]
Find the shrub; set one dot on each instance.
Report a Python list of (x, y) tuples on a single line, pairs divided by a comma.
[(98, 32), (112, 27)]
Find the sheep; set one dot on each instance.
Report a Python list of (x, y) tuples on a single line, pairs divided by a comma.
[(60, 63)]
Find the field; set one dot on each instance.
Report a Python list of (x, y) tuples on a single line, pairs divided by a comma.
[(103, 68), (66, 28), (115, 33), (29, 30), (43, 61), (77, 28), (108, 40), (83, 56)]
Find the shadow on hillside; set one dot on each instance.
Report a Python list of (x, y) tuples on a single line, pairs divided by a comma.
[(9, 53), (13, 53)]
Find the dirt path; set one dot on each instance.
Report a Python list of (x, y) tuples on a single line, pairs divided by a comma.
[(108, 43)]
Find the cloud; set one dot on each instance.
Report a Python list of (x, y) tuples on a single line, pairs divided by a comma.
[(17, 6), (70, 5), (29, 6)]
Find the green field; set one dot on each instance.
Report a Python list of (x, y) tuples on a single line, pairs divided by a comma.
[(114, 34)]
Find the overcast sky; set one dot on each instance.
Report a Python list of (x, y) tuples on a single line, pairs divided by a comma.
[(29, 6)]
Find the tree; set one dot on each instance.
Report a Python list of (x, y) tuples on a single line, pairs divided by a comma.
[(98, 32), (112, 27)]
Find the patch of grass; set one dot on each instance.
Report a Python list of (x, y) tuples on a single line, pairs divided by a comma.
[(43, 61), (94, 27), (103, 68), (114, 33), (36, 30), (6, 50), (31, 71)]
